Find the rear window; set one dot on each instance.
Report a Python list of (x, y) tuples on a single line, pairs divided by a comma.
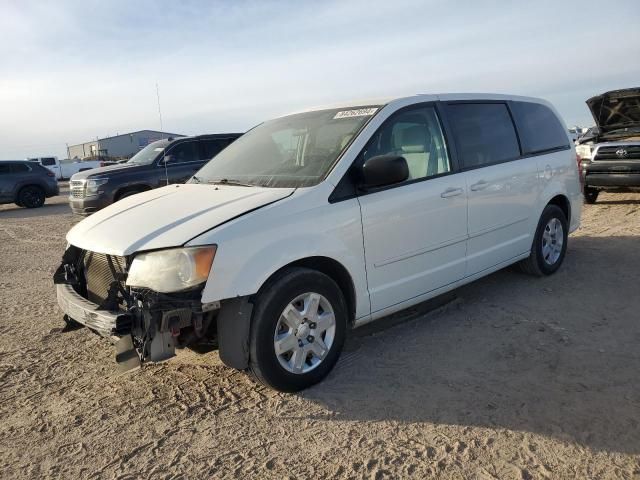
[(539, 128), (48, 161), (484, 133)]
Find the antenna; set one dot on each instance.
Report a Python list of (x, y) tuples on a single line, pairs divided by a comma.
[(164, 159)]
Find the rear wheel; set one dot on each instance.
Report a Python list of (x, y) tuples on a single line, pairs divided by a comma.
[(549, 243), (31, 197), (590, 195), (298, 330)]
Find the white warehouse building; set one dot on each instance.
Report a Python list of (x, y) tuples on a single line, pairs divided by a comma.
[(125, 145)]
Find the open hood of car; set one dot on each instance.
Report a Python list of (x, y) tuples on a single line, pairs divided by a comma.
[(616, 109), (167, 217)]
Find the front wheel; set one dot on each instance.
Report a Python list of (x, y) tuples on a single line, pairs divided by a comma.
[(298, 330), (549, 243), (590, 195)]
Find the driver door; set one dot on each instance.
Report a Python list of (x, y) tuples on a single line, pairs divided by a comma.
[(415, 233)]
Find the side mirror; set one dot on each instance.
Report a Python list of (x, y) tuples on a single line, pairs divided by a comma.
[(383, 170), (166, 159)]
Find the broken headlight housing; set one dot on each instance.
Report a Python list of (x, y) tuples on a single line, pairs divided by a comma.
[(171, 270)]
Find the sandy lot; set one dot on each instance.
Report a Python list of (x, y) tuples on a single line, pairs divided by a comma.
[(516, 378)]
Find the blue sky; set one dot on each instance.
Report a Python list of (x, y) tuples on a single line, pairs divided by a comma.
[(74, 70)]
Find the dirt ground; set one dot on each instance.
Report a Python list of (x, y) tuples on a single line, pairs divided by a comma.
[(518, 377)]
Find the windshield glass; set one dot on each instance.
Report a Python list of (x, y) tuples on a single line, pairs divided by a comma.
[(148, 154), (292, 151)]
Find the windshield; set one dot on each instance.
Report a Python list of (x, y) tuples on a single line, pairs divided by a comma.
[(148, 154), (293, 151)]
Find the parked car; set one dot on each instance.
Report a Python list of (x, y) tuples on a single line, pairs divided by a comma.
[(26, 184), (160, 163), (610, 153), (317, 222), (64, 170)]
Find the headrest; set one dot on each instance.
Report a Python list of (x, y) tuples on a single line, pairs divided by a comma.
[(415, 139)]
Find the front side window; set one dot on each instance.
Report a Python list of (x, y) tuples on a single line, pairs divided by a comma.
[(184, 152), (293, 151), (539, 128), (415, 135), (484, 133)]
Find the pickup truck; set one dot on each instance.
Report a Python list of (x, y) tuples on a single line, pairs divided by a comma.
[(610, 153), (64, 170)]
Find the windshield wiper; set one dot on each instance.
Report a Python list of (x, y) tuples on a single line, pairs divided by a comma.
[(226, 181)]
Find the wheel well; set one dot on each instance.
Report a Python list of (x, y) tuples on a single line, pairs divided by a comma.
[(35, 185), (563, 203), (333, 269), (131, 188)]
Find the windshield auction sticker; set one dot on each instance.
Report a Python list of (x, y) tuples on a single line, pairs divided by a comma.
[(359, 112)]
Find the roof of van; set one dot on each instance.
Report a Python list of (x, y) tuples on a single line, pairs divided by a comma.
[(423, 97)]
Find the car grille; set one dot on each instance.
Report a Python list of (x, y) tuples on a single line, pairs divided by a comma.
[(612, 153), (77, 189), (101, 271)]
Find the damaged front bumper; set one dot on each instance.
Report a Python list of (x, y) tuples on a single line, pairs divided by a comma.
[(106, 323), (145, 325)]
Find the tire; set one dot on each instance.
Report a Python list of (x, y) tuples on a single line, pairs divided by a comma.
[(31, 196), (541, 262), (285, 371), (590, 195)]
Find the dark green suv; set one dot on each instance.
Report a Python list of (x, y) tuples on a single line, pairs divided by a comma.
[(26, 184)]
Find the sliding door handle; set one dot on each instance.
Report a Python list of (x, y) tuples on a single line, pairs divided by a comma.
[(481, 185), (451, 192)]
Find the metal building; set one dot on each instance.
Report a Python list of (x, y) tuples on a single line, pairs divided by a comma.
[(120, 146)]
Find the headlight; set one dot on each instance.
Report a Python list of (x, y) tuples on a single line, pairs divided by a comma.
[(171, 270), (93, 184)]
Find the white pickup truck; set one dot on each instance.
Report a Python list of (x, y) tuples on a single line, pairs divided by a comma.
[(65, 169)]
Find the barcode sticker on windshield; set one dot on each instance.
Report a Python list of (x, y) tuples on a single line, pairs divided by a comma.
[(359, 112)]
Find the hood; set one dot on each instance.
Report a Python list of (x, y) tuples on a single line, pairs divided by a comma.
[(108, 170), (616, 109), (167, 217)]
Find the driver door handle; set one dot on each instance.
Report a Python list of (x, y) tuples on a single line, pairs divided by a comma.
[(451, 192), (481, 185)]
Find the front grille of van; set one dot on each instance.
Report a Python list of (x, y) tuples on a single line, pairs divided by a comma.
[(76, 188), (611, 153), (102, 273)]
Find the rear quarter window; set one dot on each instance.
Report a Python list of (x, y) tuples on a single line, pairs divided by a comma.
[(484, 133), (20, 168), (539, 128)]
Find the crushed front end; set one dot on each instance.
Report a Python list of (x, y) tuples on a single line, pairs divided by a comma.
[(145, 324)]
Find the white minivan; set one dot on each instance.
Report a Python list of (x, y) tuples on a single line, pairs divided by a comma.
[(321, 221)]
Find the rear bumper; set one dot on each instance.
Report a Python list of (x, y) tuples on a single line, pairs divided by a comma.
[(106, 323), (612, 179)]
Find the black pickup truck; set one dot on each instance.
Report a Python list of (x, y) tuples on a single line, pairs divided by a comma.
[(610, 153), (174, 160)]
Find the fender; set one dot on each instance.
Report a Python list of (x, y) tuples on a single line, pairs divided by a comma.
[(255, 246)]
